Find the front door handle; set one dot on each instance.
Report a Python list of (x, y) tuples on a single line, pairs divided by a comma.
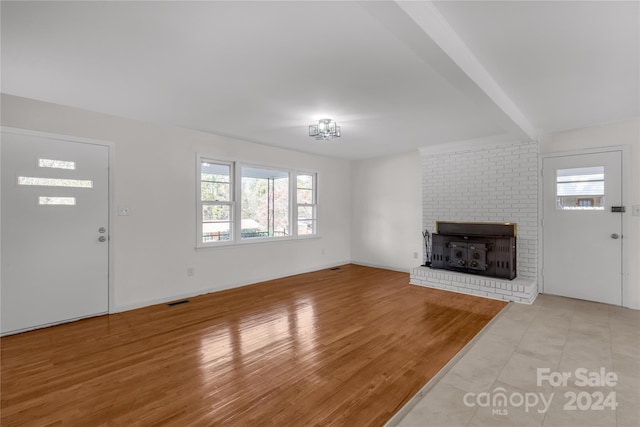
[(615, 236), (102, 239)]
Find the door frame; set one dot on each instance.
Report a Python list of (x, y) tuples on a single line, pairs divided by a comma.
[(110, 195), (625, 151)]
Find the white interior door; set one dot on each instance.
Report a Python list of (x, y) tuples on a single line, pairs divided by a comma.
[(582, 237), (55, 246)]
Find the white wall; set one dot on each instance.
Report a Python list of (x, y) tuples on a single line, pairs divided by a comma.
[(623, 133), (386, 215), (155, 178)]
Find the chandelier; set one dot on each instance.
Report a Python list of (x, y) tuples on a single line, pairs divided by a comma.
[(324, 130)]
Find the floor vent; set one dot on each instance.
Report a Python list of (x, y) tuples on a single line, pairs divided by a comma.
[(184, 301)]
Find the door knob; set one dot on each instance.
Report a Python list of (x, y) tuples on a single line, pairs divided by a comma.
[(615, 236), (102, 239), (102, 230)]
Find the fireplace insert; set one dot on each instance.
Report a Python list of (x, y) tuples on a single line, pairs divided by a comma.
[(483, 248)]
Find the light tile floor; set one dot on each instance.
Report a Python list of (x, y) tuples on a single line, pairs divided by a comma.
[(559, 334)]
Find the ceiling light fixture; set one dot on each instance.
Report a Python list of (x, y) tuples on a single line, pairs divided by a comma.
[(324, 130)]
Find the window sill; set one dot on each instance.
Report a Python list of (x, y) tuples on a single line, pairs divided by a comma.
[(257, 241)]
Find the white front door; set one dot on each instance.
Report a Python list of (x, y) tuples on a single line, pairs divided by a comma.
[(55, 246), (582, 237)]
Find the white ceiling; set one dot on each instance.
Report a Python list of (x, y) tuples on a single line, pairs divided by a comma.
[(263, 71), (565, 64)]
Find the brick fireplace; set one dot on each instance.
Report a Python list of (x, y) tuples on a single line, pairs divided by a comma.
[(488, 181)]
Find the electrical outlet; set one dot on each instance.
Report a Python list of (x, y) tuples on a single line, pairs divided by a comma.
[(635, 210), (191, 271), (123, 211), (415, 255)]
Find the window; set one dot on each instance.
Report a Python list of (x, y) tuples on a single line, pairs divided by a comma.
[(580, 188), (240, 203), (57, 201), (216, 201), (306, 203), (55, 182), (56, 164), (265, 203)]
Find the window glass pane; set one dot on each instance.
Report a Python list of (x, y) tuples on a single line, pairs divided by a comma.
[(216, 231), (215, 191), (281, 207), (581, 174), (306, 227), (305, 196), (216, 213), (215, 172), (57, 201), (56, 164), (305, 212), (305, 181), (586, 188), (580, 188), (55, 182), (305, 190), (265, 203), (216, 186)]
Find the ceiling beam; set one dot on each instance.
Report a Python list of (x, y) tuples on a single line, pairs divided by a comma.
[(422, 28)]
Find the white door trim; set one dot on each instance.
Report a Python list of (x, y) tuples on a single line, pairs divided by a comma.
[(112, 231), (626, 217)]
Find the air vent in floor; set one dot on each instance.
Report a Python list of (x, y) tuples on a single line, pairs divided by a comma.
[(184, 301)]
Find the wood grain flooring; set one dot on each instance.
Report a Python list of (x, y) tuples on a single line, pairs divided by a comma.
[(346, 347)]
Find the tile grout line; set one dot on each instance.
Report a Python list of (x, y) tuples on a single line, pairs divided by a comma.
[(562, 355), (515, 347)]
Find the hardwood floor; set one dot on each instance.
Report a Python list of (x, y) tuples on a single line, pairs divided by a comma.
[(344, 347)]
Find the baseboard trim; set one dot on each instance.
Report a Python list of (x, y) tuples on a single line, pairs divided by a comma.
[(118, 308), (384, 267)]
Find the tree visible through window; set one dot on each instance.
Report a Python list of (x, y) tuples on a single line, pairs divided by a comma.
[(265, 203), (306, 200)]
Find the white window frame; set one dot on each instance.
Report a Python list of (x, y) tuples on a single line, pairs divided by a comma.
[(200, 204), (290, 174), (235, 237), (314, 205)]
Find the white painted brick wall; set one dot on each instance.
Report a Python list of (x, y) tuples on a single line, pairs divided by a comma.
[(493, 184), (520, 290)]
